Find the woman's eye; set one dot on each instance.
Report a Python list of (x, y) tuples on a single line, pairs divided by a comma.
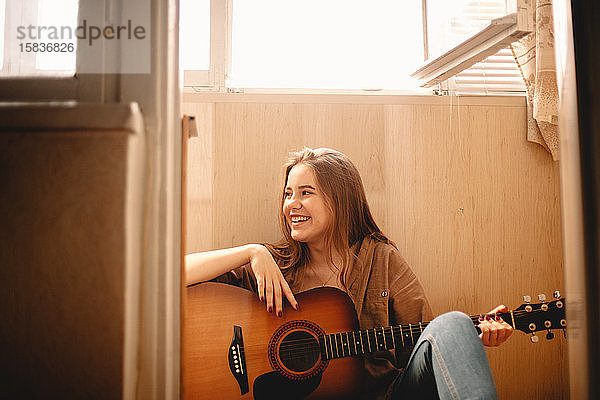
[(306, 192), (288, 195)]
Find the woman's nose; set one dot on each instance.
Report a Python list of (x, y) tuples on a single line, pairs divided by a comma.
[(294, 202)]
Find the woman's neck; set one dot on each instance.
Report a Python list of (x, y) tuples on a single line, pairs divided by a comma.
[(323, 269), (319, 255)]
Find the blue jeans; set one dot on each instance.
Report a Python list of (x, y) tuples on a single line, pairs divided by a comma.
[(448, 362)]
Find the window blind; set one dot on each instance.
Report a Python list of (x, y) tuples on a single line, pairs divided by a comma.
[(497, 74)]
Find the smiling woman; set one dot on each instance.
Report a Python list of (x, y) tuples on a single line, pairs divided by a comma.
[(305, 207), (329, 238), (329, 191)]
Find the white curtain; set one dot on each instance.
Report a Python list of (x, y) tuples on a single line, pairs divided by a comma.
[(534, 55)]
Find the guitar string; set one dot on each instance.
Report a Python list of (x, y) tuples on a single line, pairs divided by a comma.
[(295, 353), (301, 353), (414, 329)]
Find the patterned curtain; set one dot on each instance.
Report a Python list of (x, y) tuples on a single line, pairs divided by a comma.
[(534, 55)]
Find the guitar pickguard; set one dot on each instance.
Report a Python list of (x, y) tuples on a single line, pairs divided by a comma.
[(271, 385)]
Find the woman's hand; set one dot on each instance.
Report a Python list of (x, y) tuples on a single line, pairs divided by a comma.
[(270, 281), (494, 330)]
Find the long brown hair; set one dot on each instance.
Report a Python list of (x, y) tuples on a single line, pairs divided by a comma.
[(340, 182)]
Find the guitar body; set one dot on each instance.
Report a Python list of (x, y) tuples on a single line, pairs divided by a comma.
[(227, 329)]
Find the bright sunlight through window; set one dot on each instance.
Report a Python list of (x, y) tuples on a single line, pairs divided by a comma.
[(451, 22), (194, 34), (57, 13), (27, 47), (334, 44), (2, 25)]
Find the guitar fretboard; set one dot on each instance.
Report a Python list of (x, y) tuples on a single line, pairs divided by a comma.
[(347, 344)]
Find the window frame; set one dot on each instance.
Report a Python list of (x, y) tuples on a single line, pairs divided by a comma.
[(80, 86), (214, 78), (436, 73)]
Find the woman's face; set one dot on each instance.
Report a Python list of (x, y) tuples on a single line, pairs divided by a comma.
[(304, 207)]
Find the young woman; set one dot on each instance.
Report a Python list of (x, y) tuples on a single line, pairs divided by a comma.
[(331, 239)]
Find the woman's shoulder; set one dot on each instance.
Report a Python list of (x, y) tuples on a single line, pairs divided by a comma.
[(380, 246), (386, 251)]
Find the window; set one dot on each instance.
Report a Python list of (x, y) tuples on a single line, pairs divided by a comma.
[(451, 22), (2, 24), (194, 41), (64, 49), (35, 37), (336, 44), (57, 13), (497, 74), (237, 45), (467, 42)]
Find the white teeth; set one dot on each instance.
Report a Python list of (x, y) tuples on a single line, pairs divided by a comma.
[(300, 219)]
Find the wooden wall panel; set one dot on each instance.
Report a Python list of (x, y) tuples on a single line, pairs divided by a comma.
[(252, 141), (474, 209), (517, 244), (200, 183), (472, 205)]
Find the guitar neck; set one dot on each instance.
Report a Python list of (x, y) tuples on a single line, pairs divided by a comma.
[(365, 341)]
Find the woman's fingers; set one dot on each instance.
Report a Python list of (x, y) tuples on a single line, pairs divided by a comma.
[(485, 331), (493, 339), (269, 294), (500, 309), (501, 336), (260, 288), (271, 290), (494, 330), (280, 289), (504, 330), (277, 298), (270, 283), (288, 293)]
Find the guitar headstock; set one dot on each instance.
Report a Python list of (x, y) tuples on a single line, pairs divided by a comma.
[(542, 316)]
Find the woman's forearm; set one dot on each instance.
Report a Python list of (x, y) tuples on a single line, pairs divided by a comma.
[(201, 267)]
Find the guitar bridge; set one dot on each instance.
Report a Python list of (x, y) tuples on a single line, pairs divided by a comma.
[(237, 360)]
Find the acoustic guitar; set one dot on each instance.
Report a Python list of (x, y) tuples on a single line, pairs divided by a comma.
[(234, 349)]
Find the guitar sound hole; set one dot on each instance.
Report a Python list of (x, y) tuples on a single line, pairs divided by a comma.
[(299, 351)]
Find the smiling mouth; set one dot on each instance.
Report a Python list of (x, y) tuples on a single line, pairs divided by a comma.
[(299, 220)]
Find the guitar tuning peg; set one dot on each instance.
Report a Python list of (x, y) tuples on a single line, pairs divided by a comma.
[(556, 294), (534, 338), (549, 335), (542, 297), (527, 299)]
